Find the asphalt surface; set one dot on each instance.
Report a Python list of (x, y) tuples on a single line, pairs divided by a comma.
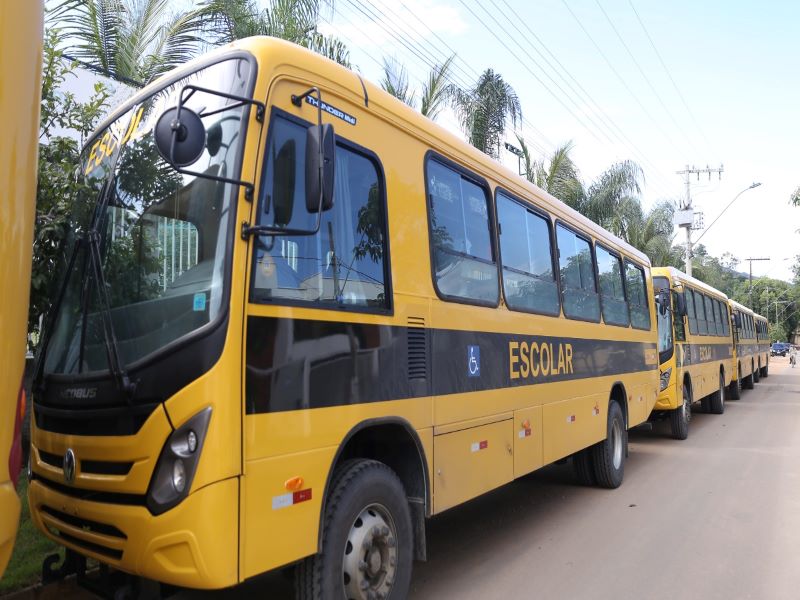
[(714, 516)]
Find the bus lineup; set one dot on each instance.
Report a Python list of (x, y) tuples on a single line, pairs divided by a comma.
[(299, 319)]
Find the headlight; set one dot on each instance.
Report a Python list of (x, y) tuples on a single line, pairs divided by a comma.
[(665, 375), (172, 477)]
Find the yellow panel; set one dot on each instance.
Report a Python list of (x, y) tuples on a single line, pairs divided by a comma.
[(470, 462), (528, 440), (573, 424)]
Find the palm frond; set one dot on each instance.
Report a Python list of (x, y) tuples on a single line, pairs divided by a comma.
[(436, 90), (395, 81)]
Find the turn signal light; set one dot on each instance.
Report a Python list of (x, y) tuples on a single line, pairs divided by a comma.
[(294, 484)]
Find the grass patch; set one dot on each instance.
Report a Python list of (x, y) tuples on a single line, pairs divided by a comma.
[(25, 567)]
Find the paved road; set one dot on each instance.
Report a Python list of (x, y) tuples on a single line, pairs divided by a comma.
[(715, 516)]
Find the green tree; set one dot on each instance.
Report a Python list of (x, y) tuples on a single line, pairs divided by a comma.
[(58, 161), (293, 20), (436, 89), (133, 41), (557, 175), (795, 197), (485, 111)]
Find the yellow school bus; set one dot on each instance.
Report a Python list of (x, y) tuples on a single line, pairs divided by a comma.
[(763, 339), (320, 319), (20, 85), (750, 348), (695, 348)]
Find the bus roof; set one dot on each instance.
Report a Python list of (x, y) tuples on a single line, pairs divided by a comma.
[(742, 308), (390, 108), (688, 279)]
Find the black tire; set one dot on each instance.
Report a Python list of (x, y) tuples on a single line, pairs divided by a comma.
[(765, 371), (717, 399), (584, 467), (757, 373), (366, 513), (747, 382), (705, 404), (608, 456), (735, 388), (680, 417)]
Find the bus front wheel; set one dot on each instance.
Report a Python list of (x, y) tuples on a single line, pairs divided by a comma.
[(608, 456), (717, 399), (735, 388), (367, 538), (680, 417)]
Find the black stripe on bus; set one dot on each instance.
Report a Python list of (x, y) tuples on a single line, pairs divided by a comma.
[(693, 354), (294, 364)]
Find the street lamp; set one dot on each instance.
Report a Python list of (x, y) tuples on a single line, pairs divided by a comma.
[(750, 187)]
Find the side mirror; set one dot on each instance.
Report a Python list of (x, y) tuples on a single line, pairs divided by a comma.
[(320, 155), (662, 299), (680, 304), (180, 141)]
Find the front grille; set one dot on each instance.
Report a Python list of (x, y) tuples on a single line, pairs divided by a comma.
[(84, 524), (91, 495), (95, 467), (118, 420), (58, 529)]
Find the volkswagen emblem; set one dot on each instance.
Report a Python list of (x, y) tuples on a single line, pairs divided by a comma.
[(69, 466)]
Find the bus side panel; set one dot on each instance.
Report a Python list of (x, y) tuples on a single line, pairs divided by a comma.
[(574, 424), (470, 462), (282, 524), (528, 441)]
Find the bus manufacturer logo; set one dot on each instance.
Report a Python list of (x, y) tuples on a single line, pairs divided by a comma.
[(79, 393), (69, 466)]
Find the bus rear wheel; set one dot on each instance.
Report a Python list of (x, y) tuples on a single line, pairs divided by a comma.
[(747, 382), (367, 538), (680, 417), (717, 399), (757, 373), (608, 456), (765, 371)]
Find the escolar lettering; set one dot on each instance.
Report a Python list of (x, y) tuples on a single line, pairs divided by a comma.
[(538, 359)]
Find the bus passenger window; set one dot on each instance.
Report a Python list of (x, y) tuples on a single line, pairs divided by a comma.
[(528, 279), (712, 326), (578, 286), (464, 265), (612, 290), (699, 308), (637, 296), (690, 312), (680, 331)]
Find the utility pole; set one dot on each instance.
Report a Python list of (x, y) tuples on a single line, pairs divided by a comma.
[(750, 260), (685, 217)]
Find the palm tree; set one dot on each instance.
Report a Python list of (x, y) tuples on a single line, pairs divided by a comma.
[(395, 81), (132, 41), (608, 198), (558, 175), (436, 89), (484, 111), (292, 20)]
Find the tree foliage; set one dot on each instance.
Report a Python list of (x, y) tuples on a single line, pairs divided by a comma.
[(436, 89), (133, 41), (485, 111), (294, 20)]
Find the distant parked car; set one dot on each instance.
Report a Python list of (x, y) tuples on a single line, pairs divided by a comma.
[(779, 349)]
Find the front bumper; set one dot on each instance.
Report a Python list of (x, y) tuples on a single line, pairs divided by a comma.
[(9, 521), (193, 545)]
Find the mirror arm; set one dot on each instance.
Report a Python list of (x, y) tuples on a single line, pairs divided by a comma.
[(259, 230), (249, 188)]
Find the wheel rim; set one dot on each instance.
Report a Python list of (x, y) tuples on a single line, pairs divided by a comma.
[(616, 444), (370, 555)]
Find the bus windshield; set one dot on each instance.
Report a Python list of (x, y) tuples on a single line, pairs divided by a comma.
[(161, 236), (664, 323)]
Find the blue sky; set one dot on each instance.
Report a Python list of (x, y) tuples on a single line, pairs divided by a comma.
[(735, 64)]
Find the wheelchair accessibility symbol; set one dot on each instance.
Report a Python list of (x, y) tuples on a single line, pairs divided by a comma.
[(473, 361)]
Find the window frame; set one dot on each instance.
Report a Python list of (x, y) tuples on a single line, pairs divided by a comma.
[(586, 238), (642, 271), (483, 183), (540, 212), (621, 260), (371, 156)]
